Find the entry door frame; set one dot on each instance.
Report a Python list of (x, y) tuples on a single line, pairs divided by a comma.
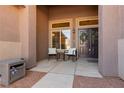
[(77, 26)]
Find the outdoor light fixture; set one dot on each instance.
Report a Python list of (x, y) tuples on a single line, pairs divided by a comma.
[(73, 30)]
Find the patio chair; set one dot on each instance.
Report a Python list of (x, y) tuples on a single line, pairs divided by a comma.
[(52, 52), (72, 52)]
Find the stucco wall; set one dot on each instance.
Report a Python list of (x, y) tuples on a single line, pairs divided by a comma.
[(18, 33), (32, 36), (121, 43), (9, 23), (9, 32), (121, 58), (72, 11), (9, 50), (110, 31), (42, 32), (27, 27), (121, 21)]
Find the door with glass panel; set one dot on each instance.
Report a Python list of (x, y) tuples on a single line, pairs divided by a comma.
[(83, 43), (88, 42), (61, 39)]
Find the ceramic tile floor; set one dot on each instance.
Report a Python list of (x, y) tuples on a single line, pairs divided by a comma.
[(61, 73)]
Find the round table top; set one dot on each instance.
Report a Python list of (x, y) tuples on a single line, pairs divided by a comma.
[(60, 50)]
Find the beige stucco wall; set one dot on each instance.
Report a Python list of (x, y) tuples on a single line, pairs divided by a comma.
[(121, 21), (121, 58), (72, 11), (9, 32), (110, 31), (9, 50), (42, 32), (32, 36), (18, 33), (9, 23), (27, 27)]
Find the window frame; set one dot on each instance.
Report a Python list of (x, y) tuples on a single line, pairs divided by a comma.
[(60, 31)]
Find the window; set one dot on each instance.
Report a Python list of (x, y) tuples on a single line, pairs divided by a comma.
[(57, 25), (61, 39), (56, 39), (65, 39), (88, 22)]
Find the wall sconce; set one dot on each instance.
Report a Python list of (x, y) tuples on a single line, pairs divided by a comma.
[(73, 30)]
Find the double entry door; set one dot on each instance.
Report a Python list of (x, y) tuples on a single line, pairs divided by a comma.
[(88, 42)]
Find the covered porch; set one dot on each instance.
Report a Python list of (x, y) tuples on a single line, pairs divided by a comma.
[(39, 28)]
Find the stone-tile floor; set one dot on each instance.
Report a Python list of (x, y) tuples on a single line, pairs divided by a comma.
[(65, 68), (80, 67), (61, 73), (52, 80), (45, 65), (85, 68)]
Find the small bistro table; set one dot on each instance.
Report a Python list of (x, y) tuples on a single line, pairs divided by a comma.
[(60, 54)]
